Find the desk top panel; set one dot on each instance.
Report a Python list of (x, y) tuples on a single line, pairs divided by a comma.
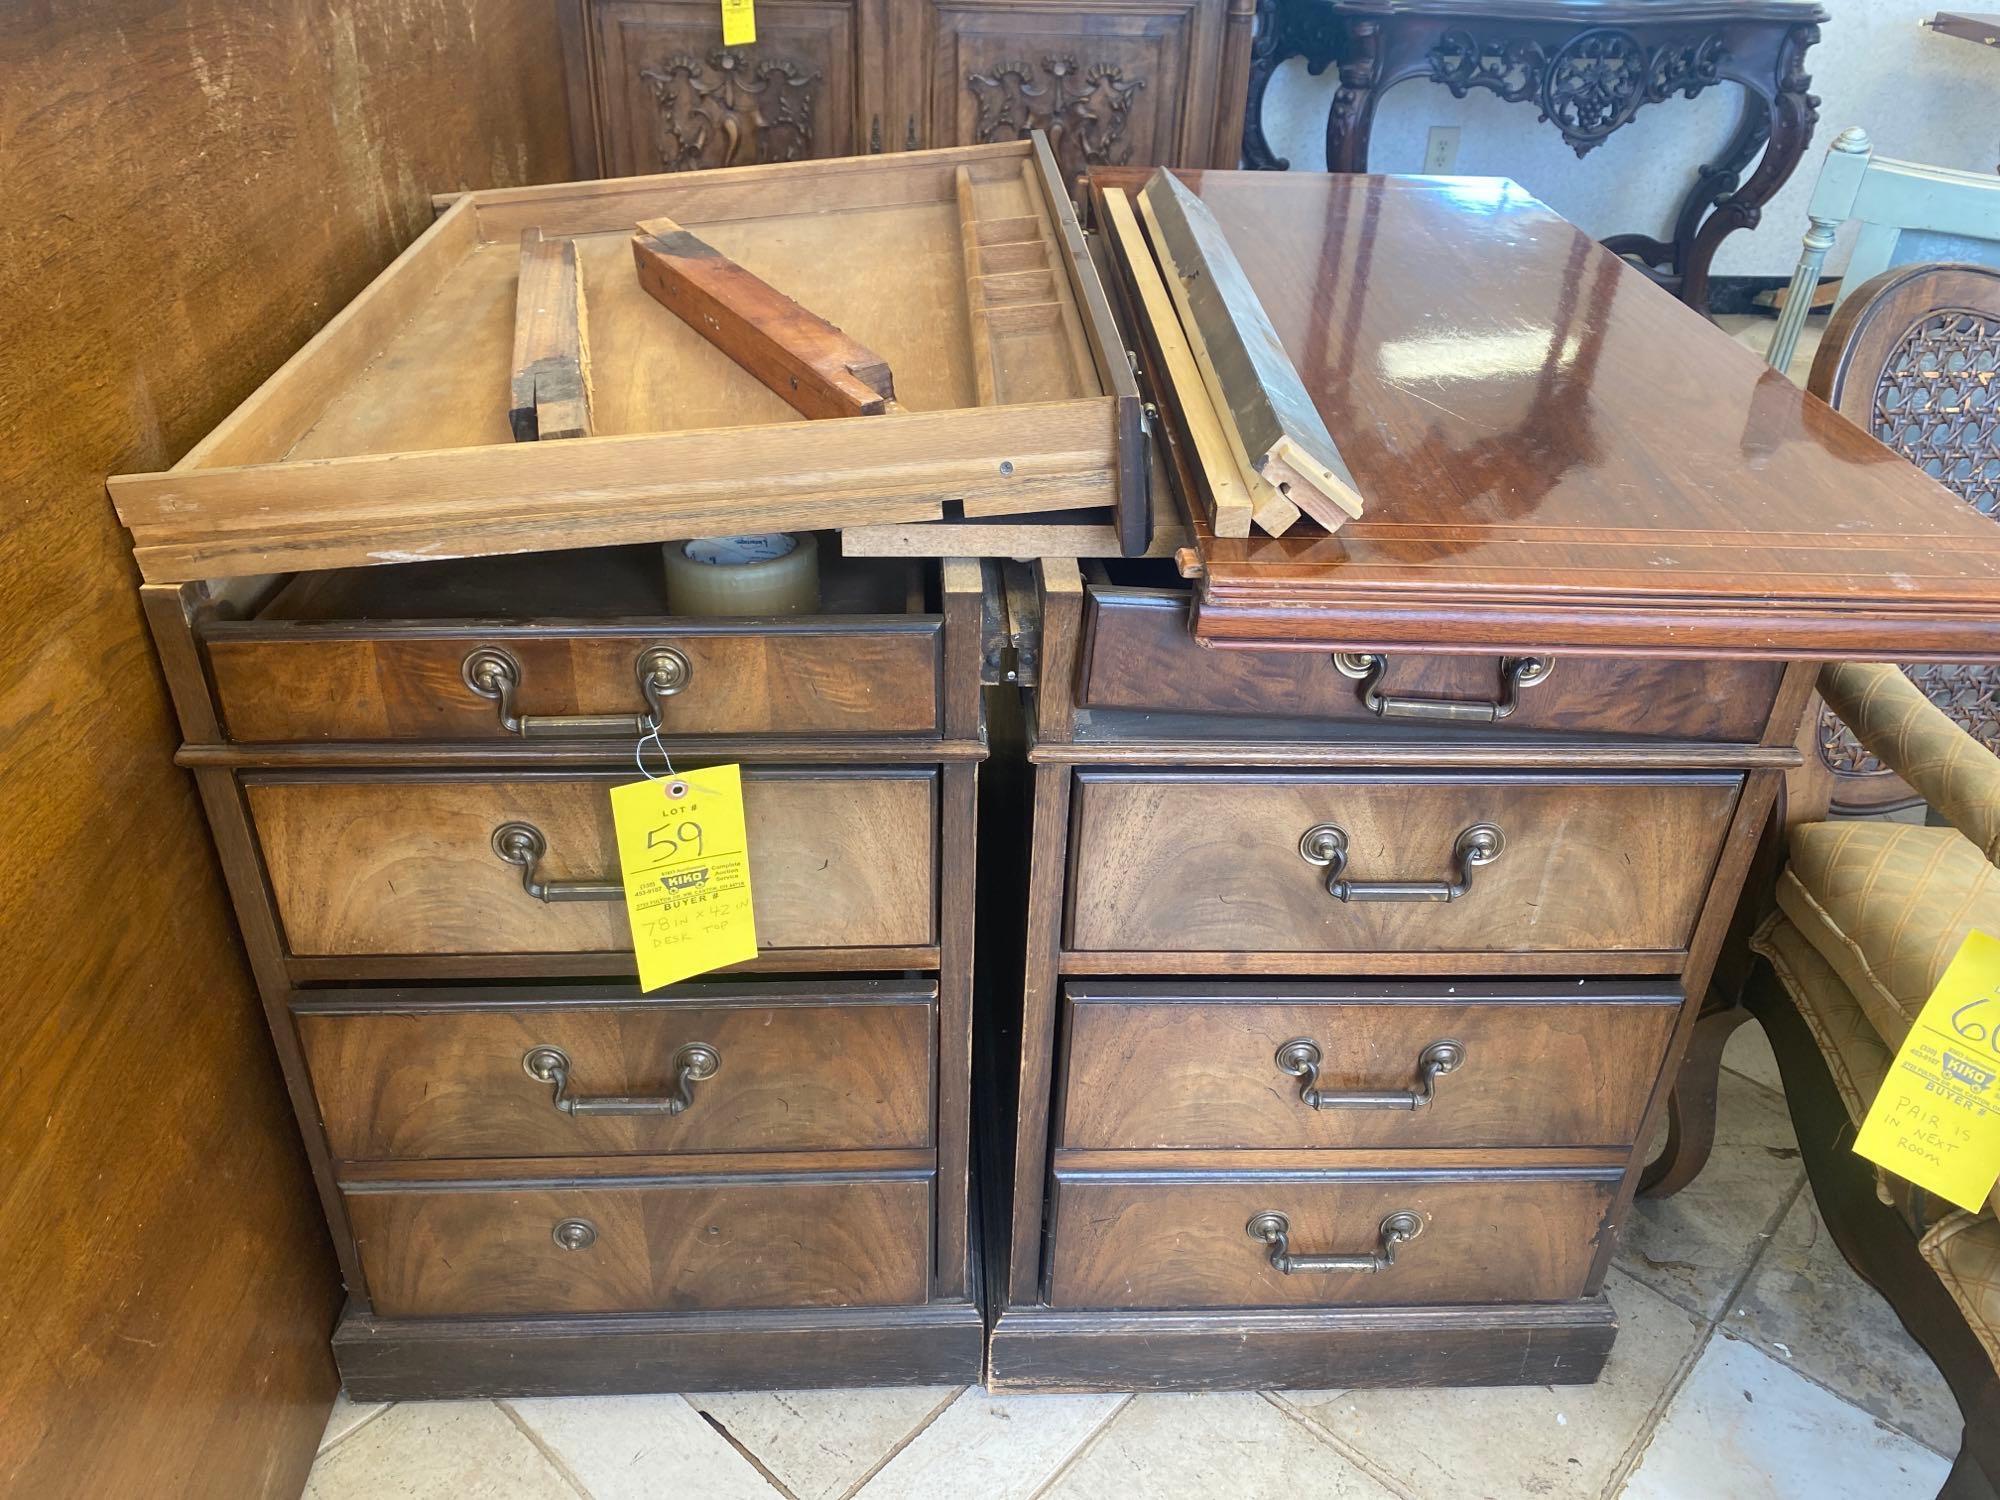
[(1555, 453)]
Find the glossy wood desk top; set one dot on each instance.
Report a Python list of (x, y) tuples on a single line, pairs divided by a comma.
[(1556, 454)]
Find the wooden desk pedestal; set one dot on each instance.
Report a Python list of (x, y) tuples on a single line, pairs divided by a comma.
[(1277, 981), (539, 1180)]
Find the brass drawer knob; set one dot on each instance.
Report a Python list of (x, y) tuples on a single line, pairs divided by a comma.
[(1367, 667), (1301, 1058), (692, 1064), (574, 1234), (662, 671), (1275, 1230), (1325, 845)]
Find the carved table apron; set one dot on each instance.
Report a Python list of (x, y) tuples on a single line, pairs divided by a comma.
[(1588, 66)]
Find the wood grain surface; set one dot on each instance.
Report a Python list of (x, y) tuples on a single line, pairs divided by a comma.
[(666, 1246), (405, 864), (1164, 1065), (1129, 1240), (193, 188), (803, 1067), (1138, 654), (1556, 456), (299, 682), (1210, 862)]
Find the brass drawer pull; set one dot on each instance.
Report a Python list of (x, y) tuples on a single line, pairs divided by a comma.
[(492, 673), (1301, 1059), (693, 1063), (1275, 1230), (1516, 672), (1325, 844), (574, 1234), (522, 844)]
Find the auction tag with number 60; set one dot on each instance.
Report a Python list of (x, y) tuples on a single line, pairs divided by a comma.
[(685, 859), (1936, 1119)]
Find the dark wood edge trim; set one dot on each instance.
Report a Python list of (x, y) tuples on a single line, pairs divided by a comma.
[(1594, 1311), (501, 752), (1519, 756), (1089, 1166), (1794, 692), (785, 995), (958, 824), (641, 628), (1062, 623), (585, 1175), (324, 968), (386, 775), (172, 611), (940, 1343), (1047, 866), (1146, 775), (1417, 993), (1580, 962)]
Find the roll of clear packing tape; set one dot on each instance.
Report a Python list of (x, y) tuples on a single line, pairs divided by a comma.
[(771, 573)]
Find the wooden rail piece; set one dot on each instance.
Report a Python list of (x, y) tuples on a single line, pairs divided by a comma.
[(1232, 503), (1257, 392), (551, 390), (809, 363)]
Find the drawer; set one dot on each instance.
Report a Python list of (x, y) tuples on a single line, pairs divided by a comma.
[(1176, 862), (394, 864), (1135, 1239), (652, 1245), (1385, 1065), (581, 1072), (1138, 654), (496, 647)]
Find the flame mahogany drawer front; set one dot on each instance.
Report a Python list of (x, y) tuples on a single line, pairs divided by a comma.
[(527, 863), (1287, 862), (701, 1068), (1138, 654), (1444, 1063), (812, 677), (1132, 1239), (662, 1245)]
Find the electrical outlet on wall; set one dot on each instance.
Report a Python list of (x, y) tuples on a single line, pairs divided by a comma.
[(1441, 150)]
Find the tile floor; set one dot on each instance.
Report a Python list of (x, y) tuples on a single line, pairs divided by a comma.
[(1750, 1364)]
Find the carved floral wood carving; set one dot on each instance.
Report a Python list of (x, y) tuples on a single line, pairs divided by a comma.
[(1083, 107), (1590, 86), (731, 109), (1937, 403)]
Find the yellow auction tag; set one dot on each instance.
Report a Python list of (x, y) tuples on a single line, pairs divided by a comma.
[(739, 22), (685, 860), (1936, 1119)]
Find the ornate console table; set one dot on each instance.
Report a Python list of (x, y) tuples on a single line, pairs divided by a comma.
[(1588, 66)]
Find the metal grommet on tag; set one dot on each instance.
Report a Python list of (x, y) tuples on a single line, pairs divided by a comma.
[(676, 789)]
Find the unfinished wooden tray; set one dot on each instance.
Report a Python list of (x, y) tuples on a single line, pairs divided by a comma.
[(386, 438)]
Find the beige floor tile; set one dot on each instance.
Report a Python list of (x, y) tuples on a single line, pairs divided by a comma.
[(1227, 1443), (992, 1447), (1744, 1427), (437, 1450), (1696, 1245), (641, 1448), (1552, 1442), (348, 1416), (1804, 1304), (820, 1444), (1749, 1053)]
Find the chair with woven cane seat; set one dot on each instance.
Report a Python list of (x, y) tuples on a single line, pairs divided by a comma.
[(1869, 913), (1913, 357)]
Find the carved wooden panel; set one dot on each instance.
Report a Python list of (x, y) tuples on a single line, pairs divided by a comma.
[(1111, 88), (671, 98)]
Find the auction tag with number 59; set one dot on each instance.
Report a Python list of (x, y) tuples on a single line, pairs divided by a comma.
[(685, 860), (1936, 1119)]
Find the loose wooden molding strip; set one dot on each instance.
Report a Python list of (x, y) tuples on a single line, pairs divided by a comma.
[(807, 361), (551, 385), (1257, 393), (1232, 504)]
